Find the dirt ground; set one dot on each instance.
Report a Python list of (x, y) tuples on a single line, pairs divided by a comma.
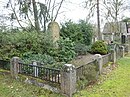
[(82, 60)]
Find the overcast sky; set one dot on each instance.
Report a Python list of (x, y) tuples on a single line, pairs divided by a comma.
[(72, 9)]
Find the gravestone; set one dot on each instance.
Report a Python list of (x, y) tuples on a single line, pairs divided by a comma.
[(112, 31), (54, 30)]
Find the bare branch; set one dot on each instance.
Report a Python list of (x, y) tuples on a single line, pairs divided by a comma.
[(17, 18), (58, 10)]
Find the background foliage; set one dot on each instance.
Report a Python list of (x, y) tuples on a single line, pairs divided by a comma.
[(80, 32), (75, 39)]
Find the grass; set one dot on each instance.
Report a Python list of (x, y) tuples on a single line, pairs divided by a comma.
[(115, 84), (17, 88)]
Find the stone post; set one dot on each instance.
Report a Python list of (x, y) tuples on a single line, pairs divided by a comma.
[(100, 62), (14, 67), (113, 55), (122, 51), (68, 80)]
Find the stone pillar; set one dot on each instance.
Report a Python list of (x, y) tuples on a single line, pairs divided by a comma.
[(113, 55), (100, 62), (54, 30), (68, 80), (14, 67), (122, 51)]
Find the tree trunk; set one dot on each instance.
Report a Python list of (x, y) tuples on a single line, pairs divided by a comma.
[(98, 21), (116, 16), (37, 27)]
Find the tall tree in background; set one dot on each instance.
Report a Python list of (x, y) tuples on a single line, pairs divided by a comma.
[(37, 14), (98, 21), (37, 26), (93, 5), (114, 11)]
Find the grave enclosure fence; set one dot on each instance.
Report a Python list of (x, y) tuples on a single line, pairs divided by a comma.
[(48, 74), (63, 77), (54, 75), (5, 64), (84, 70)]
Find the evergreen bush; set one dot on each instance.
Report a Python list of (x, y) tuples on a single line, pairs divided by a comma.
[(99, 47)]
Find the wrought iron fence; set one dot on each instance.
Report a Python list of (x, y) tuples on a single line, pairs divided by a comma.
[(118, 52), (86, 69), (5, 64), (106, 58), (48, 74)]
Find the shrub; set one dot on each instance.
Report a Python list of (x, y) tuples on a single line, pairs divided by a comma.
[(29, 57), (81, 32), (81, 49), (37, 46), (99, 47), (66, 50), (16, 44)]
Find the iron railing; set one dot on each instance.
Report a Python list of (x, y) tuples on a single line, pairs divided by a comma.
[(5, 64), (82, 70), (48, 74), (106, 58)]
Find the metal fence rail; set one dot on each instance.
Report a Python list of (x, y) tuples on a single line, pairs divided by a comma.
[(5, 64), (106, 58), (48, 74), (82, 70), (118, 52)]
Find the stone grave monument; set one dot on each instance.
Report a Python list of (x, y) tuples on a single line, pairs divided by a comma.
[(54, 31)]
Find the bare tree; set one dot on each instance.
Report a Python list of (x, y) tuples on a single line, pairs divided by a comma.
[(114, 10), (93, 5), (37, 14)]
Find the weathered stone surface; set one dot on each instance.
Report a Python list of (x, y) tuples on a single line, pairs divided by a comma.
[(54, 30), (100, 62), (113, 31), (42, 85), (68, 80), (14, 67)]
